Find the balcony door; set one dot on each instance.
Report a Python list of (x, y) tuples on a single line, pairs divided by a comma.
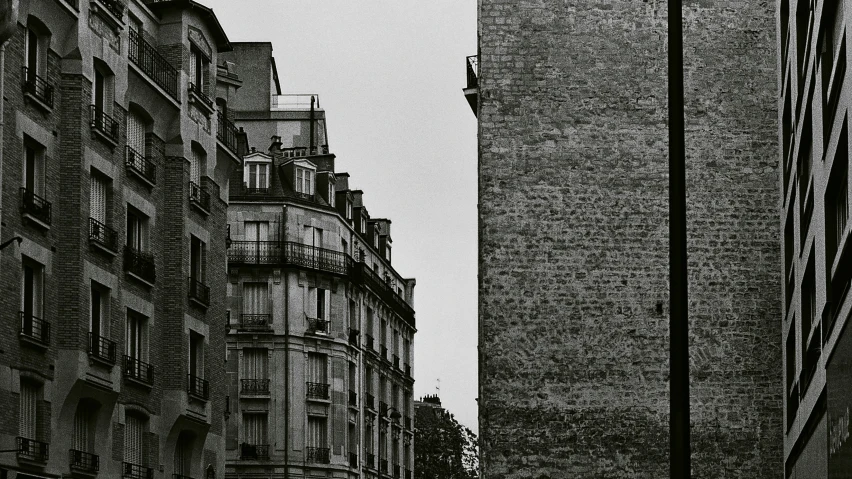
[(136, 133), (133, 436), (256, 303), (257, 234), (31, 294)]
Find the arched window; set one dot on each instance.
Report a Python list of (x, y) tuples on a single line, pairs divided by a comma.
[(183, 454), (38, 41)]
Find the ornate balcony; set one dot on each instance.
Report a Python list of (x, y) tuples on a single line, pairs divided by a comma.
[(103, 124), (32, 450), (255, 322), (34, 329), (255, 252), (102, 235), (35, 207), (198, 387), (317, 390), (135, 471), (83, 461), (138, 370), (37, 87), (311, 257), (317, 455), (139, 165), (364, 274), (254, 451), (199, 197), (101, 348), (254, 386), (199, 291), (148, 59), (316, 325), (140, 264)]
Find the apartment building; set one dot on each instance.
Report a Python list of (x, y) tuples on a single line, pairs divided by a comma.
[(320, 348), (574, 261), (115, 169), (814, 136)]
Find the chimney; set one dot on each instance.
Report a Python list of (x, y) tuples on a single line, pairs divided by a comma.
[(276, 144)]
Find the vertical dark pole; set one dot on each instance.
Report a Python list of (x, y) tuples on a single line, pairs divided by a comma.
[(678, 319)]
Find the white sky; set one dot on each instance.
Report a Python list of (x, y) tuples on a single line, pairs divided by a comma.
[(389, 74)]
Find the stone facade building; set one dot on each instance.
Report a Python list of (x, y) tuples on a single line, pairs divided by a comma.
[(320, 348), (115, 170), (573, 198), (814, 136)]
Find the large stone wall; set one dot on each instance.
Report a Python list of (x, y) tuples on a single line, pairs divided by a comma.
[(574, 238)]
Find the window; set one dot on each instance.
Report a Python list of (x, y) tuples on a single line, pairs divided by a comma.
[(304, 181), (387, 251), (331, 194), (199, 69), (313, 236), (183, 454), (99, 317), (197, 164), (137, 336), (103, 88), (136, 131), (83, 438), (254, 432), (348, 210), (33, 166), (196, 355), (255, 362), (256, 298), (837, 199), (322, 304), (32, 290), (28, 417), (317, 439), (137, 229), (363, 225), (257, 176), (257, 230), (317, 365), (98, 198), (198, 251), (808, 301), (134, 436)]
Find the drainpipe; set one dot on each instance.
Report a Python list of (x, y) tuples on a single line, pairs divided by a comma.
[(283, 239), (311, 143)]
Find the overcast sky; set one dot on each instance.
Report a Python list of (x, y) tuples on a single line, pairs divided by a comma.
[(389, 74)]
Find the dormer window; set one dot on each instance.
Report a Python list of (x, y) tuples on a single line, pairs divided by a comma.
[(348, 210), (304, 181), (363, 225), (330, 194), (257, 176)]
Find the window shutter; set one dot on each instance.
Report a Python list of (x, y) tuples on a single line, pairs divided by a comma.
[(193, 66), (316, 432), (133, 431), (27, 419), (81, 429), (317, 367), (97, 206), (136, 133), (255, 298), (195, 167), (262, 181)]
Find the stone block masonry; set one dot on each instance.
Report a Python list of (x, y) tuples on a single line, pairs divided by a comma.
[(573, 192)]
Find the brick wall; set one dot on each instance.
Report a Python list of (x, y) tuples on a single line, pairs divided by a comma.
[(574, 231)]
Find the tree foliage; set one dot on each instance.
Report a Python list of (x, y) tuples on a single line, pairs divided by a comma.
[(443, 448)]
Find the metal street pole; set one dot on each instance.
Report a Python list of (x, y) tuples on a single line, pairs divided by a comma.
[(679, 449)]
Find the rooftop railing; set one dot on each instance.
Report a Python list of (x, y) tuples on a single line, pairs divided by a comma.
[(294, 101)]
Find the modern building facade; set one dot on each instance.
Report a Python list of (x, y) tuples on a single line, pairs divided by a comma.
[(320, 349), (814, 135), (573, 199), (115, 170)]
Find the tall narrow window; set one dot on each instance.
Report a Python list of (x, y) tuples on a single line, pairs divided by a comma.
[(304, 180), (98, 198), (196, 259), (33, 167), (196, 165), (317, 364), (136, 132), (134, 430), (256, 298), (837, 199), (257, 230), (98, 310), (199, 66), (254, 364), (137, 225), (254, 434), (83, 439), (317, 440), (322, 308), (137, 336), (183, 454), (28, 418), (32, 290), (196, 354)]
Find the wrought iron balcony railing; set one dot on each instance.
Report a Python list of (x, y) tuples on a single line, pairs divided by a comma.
[(254, 451), (472, 63), (312, 257), (198, 92), (317, 390), (199, 196), (364, 274), (138, 370), (255, 252), (83, 461), (353, 398), (254, 386), (34, 328), (199, 291), (140, 264), (148, 59), (102, 234), (353, 460), (139, 164), (317, 455), (103, 123), (101, 348), (371, 401), (136, 471), (35, 206), (371, 460), (32, 450), (38, 87), (226, 132), (252, 322), (316, 325), (198, 387)]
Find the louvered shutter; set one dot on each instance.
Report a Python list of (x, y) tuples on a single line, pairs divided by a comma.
[(195, 167), (27, 419), (133, 439), (193, 67), (316, 432), (255, 298), (81, 429), (261, 178), (136, 133), (254, 363), (254, 428), (98, 199)]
